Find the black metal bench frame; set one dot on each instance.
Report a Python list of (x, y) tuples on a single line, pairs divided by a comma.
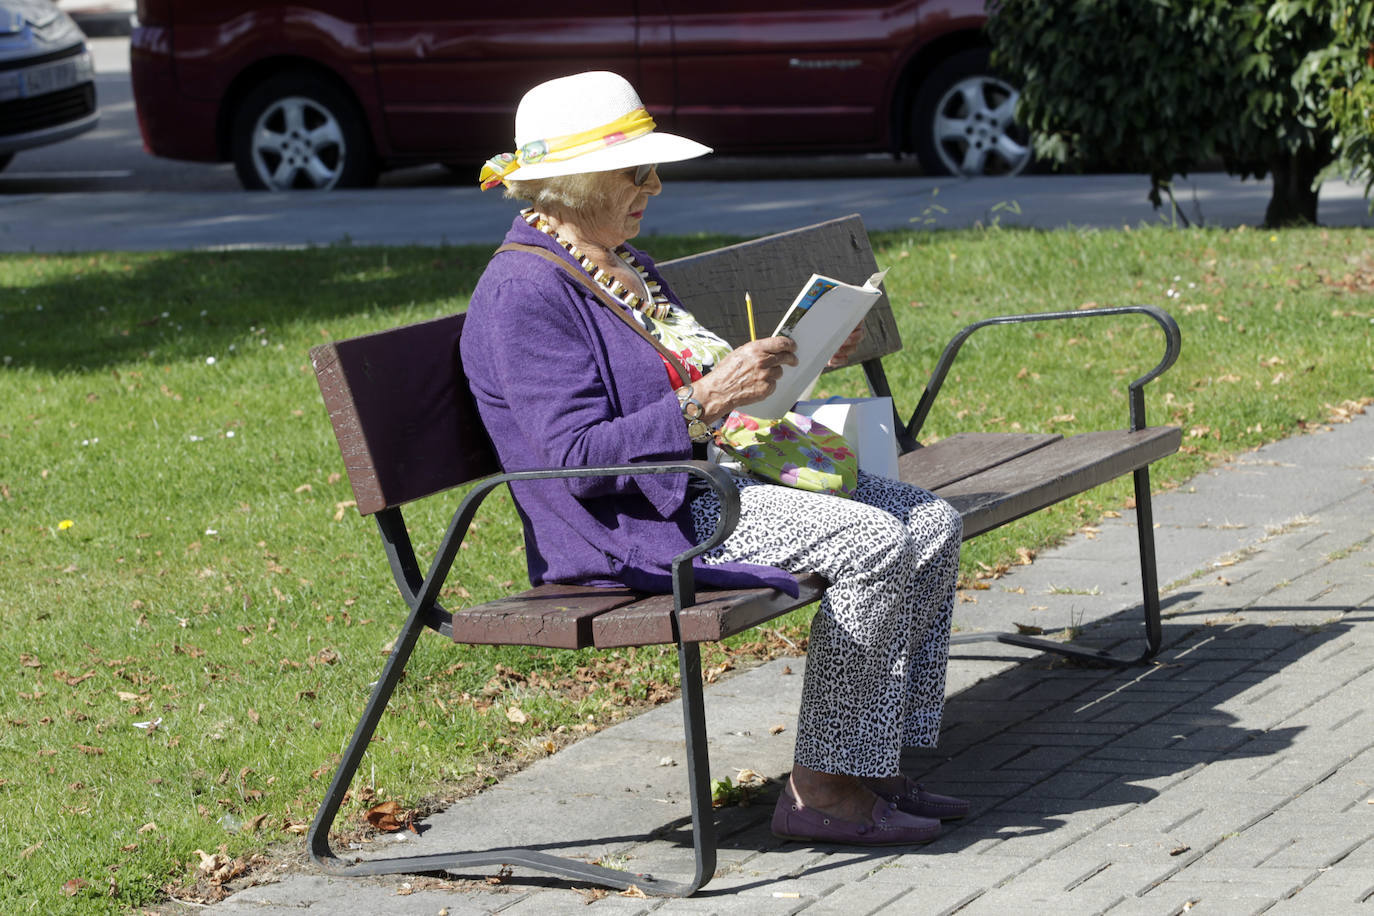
[(395, 456)]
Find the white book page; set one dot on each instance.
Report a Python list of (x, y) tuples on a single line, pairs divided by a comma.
[(819, 320)]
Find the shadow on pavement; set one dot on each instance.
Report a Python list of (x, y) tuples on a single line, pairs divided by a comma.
[(1044, 749)]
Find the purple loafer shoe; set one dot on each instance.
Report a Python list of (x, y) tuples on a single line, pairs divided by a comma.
[(916, 800), (891, 827)]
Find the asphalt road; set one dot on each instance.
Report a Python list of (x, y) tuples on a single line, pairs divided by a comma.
[(101, 191)]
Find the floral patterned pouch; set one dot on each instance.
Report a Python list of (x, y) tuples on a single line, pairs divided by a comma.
[(794, 451)]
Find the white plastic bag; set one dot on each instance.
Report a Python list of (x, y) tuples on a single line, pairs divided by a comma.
[(867, 425)]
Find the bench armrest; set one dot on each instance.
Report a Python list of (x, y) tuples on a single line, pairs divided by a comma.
[(426, 593), (1136, 394)]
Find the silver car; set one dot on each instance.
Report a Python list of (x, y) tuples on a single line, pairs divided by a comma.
[(47, 80)]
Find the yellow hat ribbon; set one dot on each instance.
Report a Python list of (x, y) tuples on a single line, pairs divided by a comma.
[(559, 149)]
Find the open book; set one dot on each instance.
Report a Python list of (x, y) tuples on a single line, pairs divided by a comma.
[(819, 320)]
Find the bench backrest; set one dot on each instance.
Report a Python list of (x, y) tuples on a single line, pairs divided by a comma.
[(399, 401), (401, 410), (772, 269)]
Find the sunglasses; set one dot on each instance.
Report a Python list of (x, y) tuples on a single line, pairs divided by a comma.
[(643, 172)]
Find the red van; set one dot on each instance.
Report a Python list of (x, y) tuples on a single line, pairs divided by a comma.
[(317, 94)]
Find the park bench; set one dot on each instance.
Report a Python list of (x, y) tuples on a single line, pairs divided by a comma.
[(408, 429)]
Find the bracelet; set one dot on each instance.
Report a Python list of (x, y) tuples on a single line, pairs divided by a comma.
[(692, 412)]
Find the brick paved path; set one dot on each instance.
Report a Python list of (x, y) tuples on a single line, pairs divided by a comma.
[(1236, 775)]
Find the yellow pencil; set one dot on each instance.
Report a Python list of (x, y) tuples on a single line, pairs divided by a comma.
[(749, 306)]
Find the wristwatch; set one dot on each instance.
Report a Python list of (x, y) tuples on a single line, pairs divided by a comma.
[(692, 412)]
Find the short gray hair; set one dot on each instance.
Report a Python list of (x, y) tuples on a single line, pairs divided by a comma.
[(583, 191)]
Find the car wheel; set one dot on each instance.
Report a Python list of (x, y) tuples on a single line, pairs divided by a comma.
[(5, 160), (963, 124), (297, 132)]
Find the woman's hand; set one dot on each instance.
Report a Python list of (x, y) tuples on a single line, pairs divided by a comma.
[(748, 374), (842, 355)]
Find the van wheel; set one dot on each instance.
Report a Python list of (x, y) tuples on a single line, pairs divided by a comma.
[(962, 122), (298, 132)]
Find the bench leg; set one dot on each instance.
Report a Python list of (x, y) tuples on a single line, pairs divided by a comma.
[(1149, 579), (698, 774), (698, 765)]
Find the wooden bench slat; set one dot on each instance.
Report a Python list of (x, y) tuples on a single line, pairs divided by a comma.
[(716, 615), (963, 455), (1057, 471), (556, 616)]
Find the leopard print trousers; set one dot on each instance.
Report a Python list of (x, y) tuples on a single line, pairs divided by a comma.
[(879, 647)]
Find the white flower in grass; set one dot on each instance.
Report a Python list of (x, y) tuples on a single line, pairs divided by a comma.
[(209, 360)]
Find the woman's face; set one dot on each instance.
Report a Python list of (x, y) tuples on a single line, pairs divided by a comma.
[(618, 219)]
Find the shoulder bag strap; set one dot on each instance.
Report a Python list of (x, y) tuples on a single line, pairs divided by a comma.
[(616, 308)]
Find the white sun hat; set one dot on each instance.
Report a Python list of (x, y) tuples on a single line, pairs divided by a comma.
[(587, 122)]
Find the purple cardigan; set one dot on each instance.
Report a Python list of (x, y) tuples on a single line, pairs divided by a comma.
[(559, 382)]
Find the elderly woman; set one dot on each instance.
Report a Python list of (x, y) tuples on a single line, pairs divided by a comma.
[(566, 374)]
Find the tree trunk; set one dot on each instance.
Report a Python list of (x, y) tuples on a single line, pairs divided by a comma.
[(1294, 200)]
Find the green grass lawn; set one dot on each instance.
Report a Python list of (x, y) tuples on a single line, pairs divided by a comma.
[(193, 613)]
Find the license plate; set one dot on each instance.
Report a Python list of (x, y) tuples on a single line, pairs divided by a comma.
[(56, 76)]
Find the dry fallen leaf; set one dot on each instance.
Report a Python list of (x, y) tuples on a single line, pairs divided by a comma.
[(635, 892), (73, 887), (1028, 629), (748, 777), (516, 715), (389, 816), (209, 862), (776, 729)]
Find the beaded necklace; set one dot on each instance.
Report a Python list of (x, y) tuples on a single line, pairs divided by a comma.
[(659, 308)]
